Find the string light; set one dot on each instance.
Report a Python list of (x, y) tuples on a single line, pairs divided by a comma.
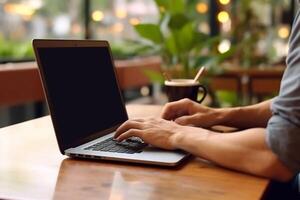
[(283, 32), (223, 16), (134, 21), (97, 16), (19, 9), (121, 13), (201, 7), (224, 46), (224, 2)]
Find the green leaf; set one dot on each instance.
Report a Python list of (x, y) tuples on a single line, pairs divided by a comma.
[(200, 39), (172, 6), (154, 76), (177, 6), (171, 45), (150, 32), (177, 21), (184, 38), (208, 41), (163, 5)]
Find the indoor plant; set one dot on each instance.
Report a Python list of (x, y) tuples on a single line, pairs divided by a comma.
[(176, 38)]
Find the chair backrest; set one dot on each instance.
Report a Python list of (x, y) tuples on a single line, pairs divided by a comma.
[(19, 84), (264, 83)]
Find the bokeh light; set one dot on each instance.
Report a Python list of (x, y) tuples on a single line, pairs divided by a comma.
[(224, 2), (201, 7), (97, 16), (145, 91), (118, 27), (283, 32), (19, 9), (121, 13), (134, 21), (223, 16), (224, 46)]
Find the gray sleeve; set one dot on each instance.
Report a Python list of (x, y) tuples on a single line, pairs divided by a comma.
[(283, 137), (283, 130)]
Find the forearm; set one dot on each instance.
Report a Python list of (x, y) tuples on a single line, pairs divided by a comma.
[(246, 117), (244, 151)]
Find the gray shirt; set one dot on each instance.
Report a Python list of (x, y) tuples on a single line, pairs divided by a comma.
[(283, 130)]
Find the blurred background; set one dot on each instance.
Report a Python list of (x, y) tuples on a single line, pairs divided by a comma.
[(243, 44)]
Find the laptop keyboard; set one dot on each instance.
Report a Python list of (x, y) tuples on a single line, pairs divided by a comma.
[(129, 146)]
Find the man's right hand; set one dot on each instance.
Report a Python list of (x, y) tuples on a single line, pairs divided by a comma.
[(188, 112)]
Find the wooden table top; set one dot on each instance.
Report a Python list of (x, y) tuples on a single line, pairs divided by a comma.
[(31, 167)]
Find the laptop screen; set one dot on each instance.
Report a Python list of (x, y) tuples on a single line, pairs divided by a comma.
[(82, 90)]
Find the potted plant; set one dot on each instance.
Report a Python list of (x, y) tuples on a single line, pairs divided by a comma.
[(176, 38)]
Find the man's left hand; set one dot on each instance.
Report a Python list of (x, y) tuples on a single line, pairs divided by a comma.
[(157, 132)]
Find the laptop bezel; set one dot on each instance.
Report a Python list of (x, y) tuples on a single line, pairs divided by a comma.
[(55, 43)]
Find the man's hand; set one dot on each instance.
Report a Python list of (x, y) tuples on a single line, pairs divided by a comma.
[(157, 132), (244, 151), (188, 112)]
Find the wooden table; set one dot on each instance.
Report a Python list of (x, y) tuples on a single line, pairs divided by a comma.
[(31, 167)]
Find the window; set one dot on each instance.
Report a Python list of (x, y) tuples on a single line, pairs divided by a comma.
[(23, 20)]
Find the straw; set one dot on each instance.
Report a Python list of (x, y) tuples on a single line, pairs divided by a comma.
[(201, 70)]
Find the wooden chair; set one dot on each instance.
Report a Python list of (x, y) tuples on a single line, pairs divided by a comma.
[(261, 87), (19, 84), (21, 93), (227, 83)]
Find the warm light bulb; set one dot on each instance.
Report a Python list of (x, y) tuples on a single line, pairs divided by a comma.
[(97, 16), (134, 21), (121, 13), (283, 32), (224, 46), (201, 7), (19, 9), (118, 27), (223, 16), (224, 2)]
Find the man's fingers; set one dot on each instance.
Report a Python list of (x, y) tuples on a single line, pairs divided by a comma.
[(130, 133), (175, 109), (167, 111), (138, 119), (130, 124), (187, 120)]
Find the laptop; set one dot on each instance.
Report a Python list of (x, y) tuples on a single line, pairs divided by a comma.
[(86, 105)]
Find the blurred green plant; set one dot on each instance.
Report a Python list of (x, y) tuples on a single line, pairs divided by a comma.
[(227, 98), (128, 49), (176, 38), (248, 30), (15, 50)]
